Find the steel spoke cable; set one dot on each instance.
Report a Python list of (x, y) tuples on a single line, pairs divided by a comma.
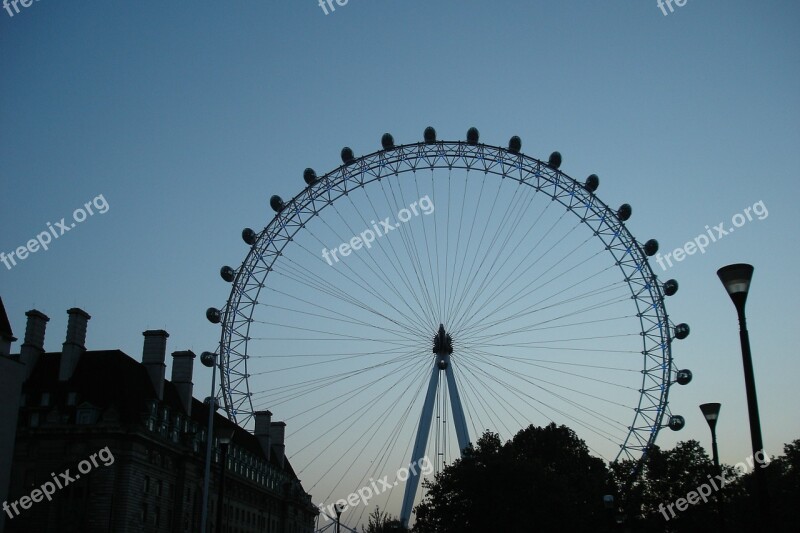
[(336, 437), (588, 378), (516, 296), (537, 308), (412, 252), (522, 377), (300, 275), (321, 383), (469, 281), (517, 208), (459, 313), (403, 275), (315, 283), (599, 432), (587, 309)]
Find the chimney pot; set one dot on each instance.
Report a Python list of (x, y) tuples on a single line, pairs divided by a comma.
[(73, 346), (33, 345), (182, 367), (153, 355), (277, 431), (262, 431)]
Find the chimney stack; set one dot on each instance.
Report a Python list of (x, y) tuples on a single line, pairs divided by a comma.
[(33, 346), (153, 355), (262, 431), (73, 347), (182, 366), (276, 434)]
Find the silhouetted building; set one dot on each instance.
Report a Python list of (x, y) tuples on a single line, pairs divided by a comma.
[(11, 376), (119, 448)]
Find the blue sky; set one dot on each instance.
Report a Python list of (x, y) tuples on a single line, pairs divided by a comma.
[(187, 117)]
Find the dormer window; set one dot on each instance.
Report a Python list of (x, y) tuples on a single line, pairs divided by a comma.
[(72, 398), (45, 399)]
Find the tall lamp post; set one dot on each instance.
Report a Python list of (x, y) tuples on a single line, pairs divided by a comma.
[(736, 279), (711, 413), (225, 438), (338, 509), (209, 360)]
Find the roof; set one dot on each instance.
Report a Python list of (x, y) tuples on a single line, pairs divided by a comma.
[(107, 378), (5, 325)]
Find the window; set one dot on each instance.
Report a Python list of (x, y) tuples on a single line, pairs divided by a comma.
[(72, 398), (158, 491), (146, 485), (143, 514), (156, 516), (34, 420), (45, 399)]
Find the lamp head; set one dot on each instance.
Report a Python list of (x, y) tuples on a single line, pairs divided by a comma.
[(711, 413), (736, 279)]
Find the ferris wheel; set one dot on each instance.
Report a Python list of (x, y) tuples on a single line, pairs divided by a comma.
[(410, 299)]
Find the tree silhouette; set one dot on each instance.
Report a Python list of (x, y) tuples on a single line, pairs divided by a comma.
[(381, 522), (544, 479)]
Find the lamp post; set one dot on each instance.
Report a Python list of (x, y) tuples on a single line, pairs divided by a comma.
[(209, 360), (225, 438), (338, 509), (711, 413), (736, 279)]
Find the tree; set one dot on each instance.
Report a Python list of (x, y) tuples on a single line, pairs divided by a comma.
[(544, 479), (381, 522)]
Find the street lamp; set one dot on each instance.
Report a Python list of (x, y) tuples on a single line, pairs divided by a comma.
[(711, 413), (338, 509), (225, 437), (209, 359), (736, 279)]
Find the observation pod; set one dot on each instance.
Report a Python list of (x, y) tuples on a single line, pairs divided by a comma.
[(429, 135), (387, 141), (624, 212), (670, 287), (650, 247), (514, 144), (227, 273), (555, 160), (681, 331), (249, 236), (676, 422), (347, 155), (310, 176), (276, 203), (592, 183), (683, 377), (472, 136)]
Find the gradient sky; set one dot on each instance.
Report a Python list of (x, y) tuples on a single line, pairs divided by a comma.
[(188, 116)]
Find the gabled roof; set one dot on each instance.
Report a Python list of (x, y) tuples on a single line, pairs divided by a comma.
[(5, 325)]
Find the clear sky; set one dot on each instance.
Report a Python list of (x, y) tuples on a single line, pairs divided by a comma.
[(187, 116)]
